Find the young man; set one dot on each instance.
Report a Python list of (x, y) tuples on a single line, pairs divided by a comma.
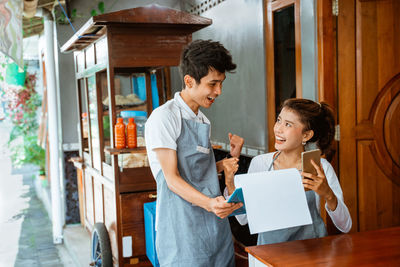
[(192, 229)]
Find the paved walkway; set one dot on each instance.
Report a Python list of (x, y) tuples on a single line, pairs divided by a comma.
[(25, 228)]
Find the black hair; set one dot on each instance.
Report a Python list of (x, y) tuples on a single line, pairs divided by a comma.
[(202, 55), (317, 117)]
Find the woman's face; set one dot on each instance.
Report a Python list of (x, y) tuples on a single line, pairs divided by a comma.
[(288, 131)]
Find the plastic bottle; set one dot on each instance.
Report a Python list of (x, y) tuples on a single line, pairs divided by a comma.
[(85, 126), (131, 134), (140, 117), (120, 134)]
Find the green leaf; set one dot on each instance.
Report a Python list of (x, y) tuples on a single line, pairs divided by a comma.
[(23, 138), (93, 13), (101, 7)]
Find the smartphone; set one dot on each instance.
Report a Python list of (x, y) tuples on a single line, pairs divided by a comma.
[(306, 158)]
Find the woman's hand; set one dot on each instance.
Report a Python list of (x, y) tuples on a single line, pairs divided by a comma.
[(319, 184), (230, 167), (236, 143)]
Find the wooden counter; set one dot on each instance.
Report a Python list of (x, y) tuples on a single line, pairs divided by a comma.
[(371, 248)]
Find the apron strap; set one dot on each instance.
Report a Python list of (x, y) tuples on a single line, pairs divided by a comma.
[(276, 155)]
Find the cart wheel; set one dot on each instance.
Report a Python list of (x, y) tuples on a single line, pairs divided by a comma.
[(101, 248)]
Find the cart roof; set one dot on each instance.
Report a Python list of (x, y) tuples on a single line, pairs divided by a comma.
[(151, 16)]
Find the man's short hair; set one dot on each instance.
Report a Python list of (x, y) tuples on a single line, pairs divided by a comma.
[(202, 55)]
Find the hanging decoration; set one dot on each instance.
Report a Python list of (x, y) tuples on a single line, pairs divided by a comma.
[(11, 12)]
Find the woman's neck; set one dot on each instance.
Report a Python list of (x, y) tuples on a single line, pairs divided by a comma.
[(290, 158)]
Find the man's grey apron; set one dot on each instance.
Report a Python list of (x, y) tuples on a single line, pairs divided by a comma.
[(188, 235), (314, 230)]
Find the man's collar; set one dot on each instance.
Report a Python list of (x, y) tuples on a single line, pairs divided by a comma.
[(185, 106)]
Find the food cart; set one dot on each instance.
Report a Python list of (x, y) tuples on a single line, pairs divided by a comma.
[(122, 62)]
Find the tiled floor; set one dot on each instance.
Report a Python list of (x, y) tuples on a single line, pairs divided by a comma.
[(77, 242), (25, 228)]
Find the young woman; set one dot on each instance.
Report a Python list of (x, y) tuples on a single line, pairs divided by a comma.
[(300, 124)]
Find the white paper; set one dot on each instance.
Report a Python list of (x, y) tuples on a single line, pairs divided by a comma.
[(274, 200), (127, 246)]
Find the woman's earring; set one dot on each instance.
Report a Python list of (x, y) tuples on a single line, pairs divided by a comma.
[(304, 143)]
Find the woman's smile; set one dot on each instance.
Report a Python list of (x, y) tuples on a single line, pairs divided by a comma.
[(279, 140)]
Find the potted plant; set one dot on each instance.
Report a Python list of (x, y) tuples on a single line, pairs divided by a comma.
[(22, 105)]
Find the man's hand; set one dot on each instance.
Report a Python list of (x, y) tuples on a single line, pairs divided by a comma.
[(236, 143), (221, 208)]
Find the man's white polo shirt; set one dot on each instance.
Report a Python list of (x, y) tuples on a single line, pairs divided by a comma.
[(164, 127)]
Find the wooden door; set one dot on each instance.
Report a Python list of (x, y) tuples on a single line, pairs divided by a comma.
[(369, 111), (283, 57)]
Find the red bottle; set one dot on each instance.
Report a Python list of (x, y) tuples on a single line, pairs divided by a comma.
[(120, 134), (131, 134)]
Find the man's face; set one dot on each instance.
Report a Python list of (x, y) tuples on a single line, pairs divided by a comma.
[(204, 93)]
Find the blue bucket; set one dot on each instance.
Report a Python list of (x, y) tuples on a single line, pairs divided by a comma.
[(150, 233)]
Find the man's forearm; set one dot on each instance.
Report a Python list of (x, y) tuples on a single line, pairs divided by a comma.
[(180, 187)]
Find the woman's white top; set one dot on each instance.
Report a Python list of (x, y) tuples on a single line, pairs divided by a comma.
[(340, 216)]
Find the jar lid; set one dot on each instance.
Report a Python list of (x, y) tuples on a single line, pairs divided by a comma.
[(133, 113)]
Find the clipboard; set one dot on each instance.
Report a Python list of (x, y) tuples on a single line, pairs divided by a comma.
[(237, 196)]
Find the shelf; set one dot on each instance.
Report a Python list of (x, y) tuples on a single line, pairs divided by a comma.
[(139, 150), (140, 108), (77, 161), (116, 151)]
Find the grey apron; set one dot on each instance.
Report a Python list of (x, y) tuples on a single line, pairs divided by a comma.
[(187, 235), (314, 230)]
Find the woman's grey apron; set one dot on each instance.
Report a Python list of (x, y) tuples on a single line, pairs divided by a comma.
[(188, 235), (314, 230)]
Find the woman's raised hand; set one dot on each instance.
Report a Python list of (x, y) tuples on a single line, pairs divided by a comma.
[(236, 144), (230, 167)]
